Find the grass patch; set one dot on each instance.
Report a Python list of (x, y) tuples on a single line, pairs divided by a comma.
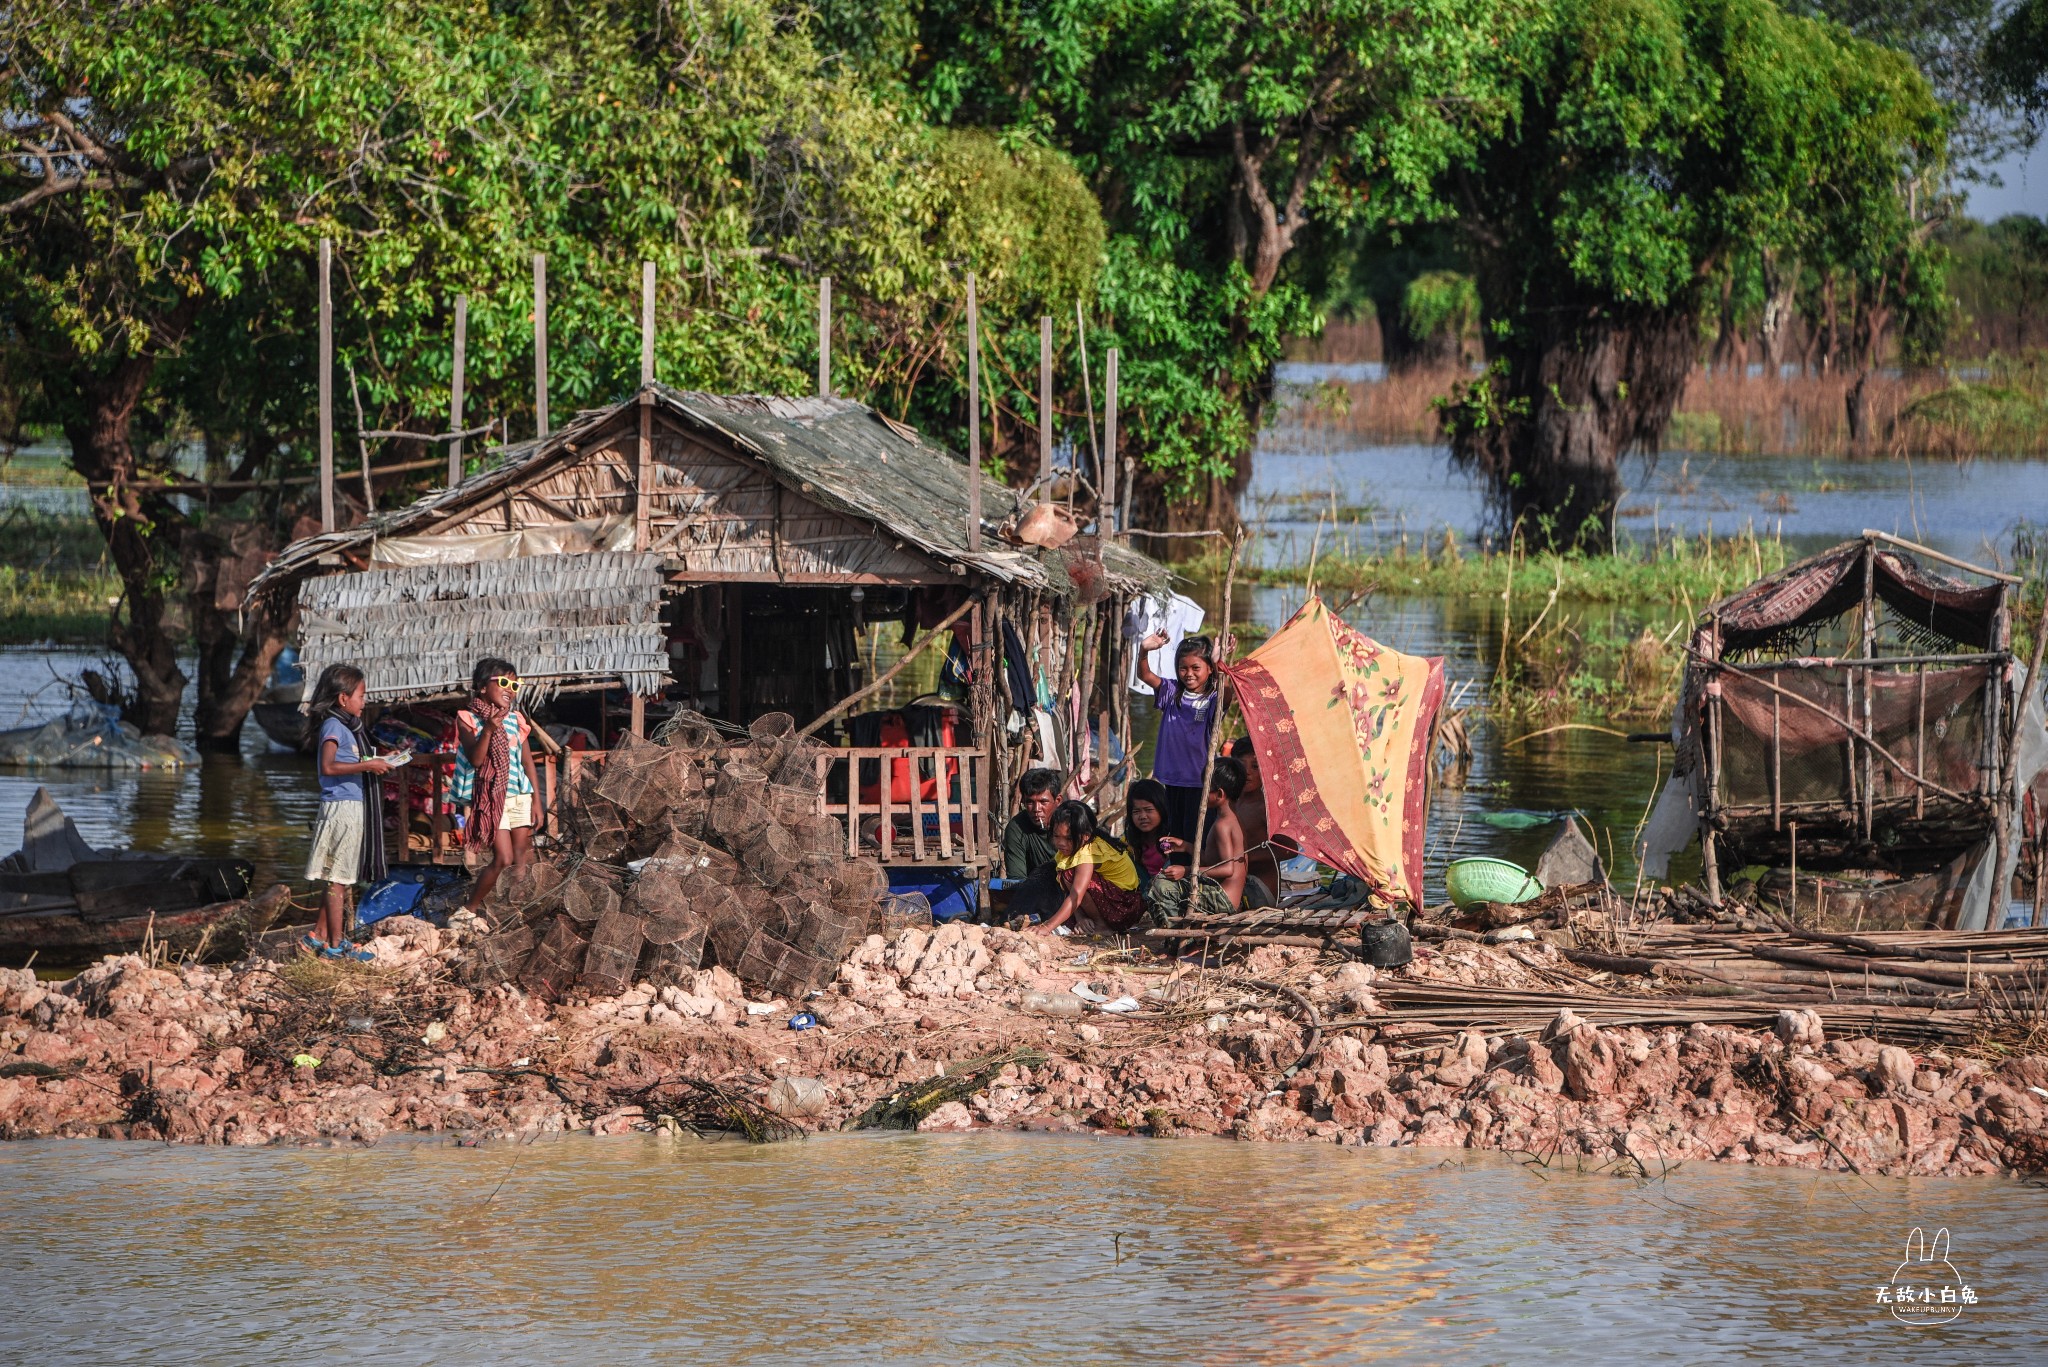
[(1687, 572), (55, 583)]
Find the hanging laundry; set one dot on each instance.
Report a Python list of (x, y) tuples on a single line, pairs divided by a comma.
[(1177, 616)]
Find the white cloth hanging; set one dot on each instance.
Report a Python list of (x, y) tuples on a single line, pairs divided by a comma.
[(1173, 614)]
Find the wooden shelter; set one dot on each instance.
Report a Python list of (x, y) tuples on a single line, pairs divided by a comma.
[(1856, 713), (721, 554)]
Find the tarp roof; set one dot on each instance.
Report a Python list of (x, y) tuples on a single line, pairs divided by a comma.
[(837, 451)]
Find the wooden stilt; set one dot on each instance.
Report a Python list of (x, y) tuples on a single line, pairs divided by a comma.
[(455, 389), (1108, 472), (540, 345), (326, 387), (825, 337), (1045, 396), (973, 421)]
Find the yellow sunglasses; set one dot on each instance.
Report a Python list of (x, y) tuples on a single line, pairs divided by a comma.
[(510, 685)]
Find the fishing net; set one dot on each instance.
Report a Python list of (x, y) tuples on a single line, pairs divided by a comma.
[(772, 856), (525, 894), (502, 955), (738, 813)]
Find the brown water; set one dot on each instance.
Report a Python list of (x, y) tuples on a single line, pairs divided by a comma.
[(983, 1249)]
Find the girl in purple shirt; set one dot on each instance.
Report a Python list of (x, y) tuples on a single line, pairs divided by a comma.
[(1189, 705)]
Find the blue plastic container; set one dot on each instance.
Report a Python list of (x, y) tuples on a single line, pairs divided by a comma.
[(950, 891)]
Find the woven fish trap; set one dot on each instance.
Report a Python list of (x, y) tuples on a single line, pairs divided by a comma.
[(674, 924), (501, 957), (558, 962), (903, 911), (820, 835), (526, 893), (620, 929), (608, 971), (790, 806), (858, 881), (628, 769), (590, 892), (671, 781), (770, 738), (688, 852), (772, 856), (666, 965), (738, 812), (826, 933), (781, 968), (798, 765), (690, 731)]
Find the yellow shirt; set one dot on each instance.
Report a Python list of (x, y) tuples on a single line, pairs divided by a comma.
[(1112, 865)]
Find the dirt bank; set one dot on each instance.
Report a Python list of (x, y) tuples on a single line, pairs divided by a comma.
[(226, 1056)]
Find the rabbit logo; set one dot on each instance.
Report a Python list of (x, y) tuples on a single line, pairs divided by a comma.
[(1926, 1288)]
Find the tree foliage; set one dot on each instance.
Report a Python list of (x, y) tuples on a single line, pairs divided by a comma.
[(1657, 144)]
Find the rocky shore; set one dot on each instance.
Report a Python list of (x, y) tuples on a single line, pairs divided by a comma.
[(1283, 1047)]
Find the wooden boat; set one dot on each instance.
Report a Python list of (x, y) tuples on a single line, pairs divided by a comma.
[(65, 901), (283, 722), (63, 934)]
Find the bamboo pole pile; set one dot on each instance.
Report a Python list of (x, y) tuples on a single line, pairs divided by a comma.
[(1420, 1008)]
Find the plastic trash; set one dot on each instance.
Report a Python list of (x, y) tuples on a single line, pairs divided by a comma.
[(1519, 819), (802, 1020), (797, 1097), (1122, 1006), (762, 1008), (1087, 993), (1053, 1004)]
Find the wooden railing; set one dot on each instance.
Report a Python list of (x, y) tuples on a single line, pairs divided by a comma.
[(943, 822)]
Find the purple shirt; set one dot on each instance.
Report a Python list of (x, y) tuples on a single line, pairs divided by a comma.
[(1185, 721)]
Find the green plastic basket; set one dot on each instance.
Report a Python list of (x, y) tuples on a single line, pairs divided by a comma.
[(1489, 880)]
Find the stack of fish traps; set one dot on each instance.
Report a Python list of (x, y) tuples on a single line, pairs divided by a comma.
[(694, 850)]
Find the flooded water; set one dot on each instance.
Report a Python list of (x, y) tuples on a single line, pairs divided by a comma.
[(1371, 496), (259, 805), (979, 1249)]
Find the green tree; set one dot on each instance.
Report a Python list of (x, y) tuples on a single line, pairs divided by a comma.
[(1656, 143), (2019, 60), (176, 167), (1218, 135)]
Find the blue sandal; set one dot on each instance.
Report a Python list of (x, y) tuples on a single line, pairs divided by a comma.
[(312, 944), (348, 953)]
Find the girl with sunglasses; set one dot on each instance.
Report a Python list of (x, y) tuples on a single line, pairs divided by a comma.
[(494, 773)]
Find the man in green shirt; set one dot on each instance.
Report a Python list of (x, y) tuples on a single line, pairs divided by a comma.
[(1027, 846)]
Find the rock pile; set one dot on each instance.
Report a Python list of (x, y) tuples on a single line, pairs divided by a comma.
[(681, 852)]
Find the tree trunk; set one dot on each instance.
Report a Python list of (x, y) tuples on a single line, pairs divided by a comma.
[(234, 661), (132, 521), (1568, 394)]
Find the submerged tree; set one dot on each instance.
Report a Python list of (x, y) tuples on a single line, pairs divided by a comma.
[(1656, 143)]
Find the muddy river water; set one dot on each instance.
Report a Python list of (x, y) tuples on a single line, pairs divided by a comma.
[(981, 1248)]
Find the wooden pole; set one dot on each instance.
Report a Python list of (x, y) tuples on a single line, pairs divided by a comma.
[(646, 322), (844, 704), (455, 388), (973, 421), (1215, 730), (1088, 395), (1109, 524), (1045, 396), (362, 445), (824, 336), (540, 345), (326, 387), (643, 475)]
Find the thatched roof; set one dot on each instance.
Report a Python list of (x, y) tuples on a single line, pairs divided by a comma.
[(417, 631), (837, 452)]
